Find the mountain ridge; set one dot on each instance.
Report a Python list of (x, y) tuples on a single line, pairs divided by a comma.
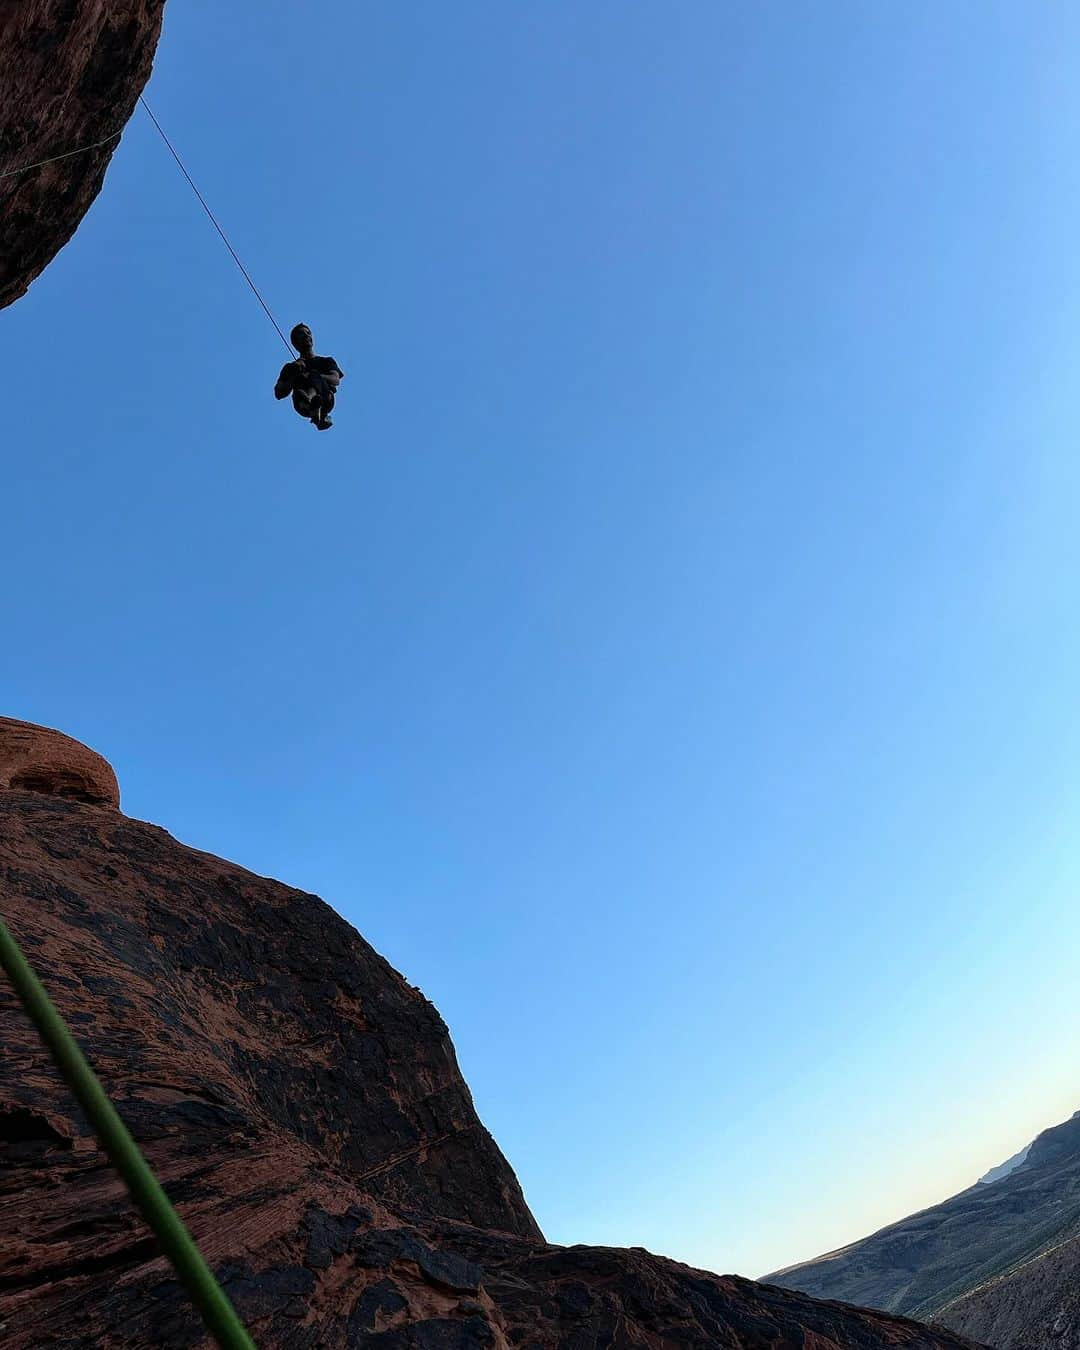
[(926, 1264)]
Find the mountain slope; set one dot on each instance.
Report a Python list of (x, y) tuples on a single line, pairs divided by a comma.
[(931, 1259), (1035, 1307)]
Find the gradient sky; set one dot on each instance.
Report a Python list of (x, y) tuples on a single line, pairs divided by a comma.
[(670, 660)]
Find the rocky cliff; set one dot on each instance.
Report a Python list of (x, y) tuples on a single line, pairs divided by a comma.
[(931, 1264), (71, 72), (302, 1104)]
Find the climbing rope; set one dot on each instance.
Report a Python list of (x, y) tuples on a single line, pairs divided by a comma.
[(396, 1159), (176, 1242), (53, 159), (213, 221), (10, 173)]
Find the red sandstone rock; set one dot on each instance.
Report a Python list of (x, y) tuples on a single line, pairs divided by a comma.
[(37, 759), (71, 72), (303, 1107)]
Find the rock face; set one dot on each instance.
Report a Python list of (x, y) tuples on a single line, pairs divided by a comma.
[(1036, 1307), (932, 1264), (302, 1104), (36, 759), (71, 72)]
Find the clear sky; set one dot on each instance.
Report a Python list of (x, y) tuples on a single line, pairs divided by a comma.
[(670, 660)]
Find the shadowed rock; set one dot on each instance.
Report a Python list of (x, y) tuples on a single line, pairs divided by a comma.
[(1035, 1307), (71, 72)]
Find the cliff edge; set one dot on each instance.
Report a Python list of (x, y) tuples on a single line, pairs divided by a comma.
[(71, 72)]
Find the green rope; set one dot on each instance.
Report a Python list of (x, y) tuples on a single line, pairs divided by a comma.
[(176, 1242), (53, 159)]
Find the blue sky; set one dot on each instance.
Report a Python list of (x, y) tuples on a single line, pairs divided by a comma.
[(670, 659)]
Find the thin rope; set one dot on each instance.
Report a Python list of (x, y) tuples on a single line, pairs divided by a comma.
[(10, 173), (176, 1242), (213, 221), (397, 1158)]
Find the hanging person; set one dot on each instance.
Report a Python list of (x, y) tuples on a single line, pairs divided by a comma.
[(312, 380)]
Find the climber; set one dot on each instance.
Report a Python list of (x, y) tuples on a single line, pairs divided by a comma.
[(312, 380)]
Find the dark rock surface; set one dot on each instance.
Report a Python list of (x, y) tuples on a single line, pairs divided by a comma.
[(924, 1264), (1035, 1307), (302, 1105), (71, 72)]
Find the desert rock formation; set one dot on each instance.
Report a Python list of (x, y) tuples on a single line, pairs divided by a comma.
[(37, 759), (303, 1106), (71, 72)]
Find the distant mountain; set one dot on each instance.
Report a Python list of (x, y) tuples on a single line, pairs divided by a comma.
[(1003, 1169), (1011, 1164), (964, 1261)]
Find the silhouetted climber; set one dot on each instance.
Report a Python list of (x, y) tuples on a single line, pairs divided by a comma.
[(312, 380)]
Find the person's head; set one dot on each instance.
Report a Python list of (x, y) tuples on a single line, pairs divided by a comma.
[(301, 339)]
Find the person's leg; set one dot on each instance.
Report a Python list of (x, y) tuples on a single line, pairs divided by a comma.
[(321, 409)]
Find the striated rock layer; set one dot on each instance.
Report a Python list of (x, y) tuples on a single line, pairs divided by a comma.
[(37, 759), (302, 1104), (71, 72)]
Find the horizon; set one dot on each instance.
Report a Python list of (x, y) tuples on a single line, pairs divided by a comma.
[(987, 1179), (666, 661), (1020, 1154)]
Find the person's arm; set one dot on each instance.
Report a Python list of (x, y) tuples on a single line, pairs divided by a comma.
[(284, 386)]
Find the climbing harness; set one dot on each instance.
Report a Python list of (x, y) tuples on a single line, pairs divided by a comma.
[(176, 1242)]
